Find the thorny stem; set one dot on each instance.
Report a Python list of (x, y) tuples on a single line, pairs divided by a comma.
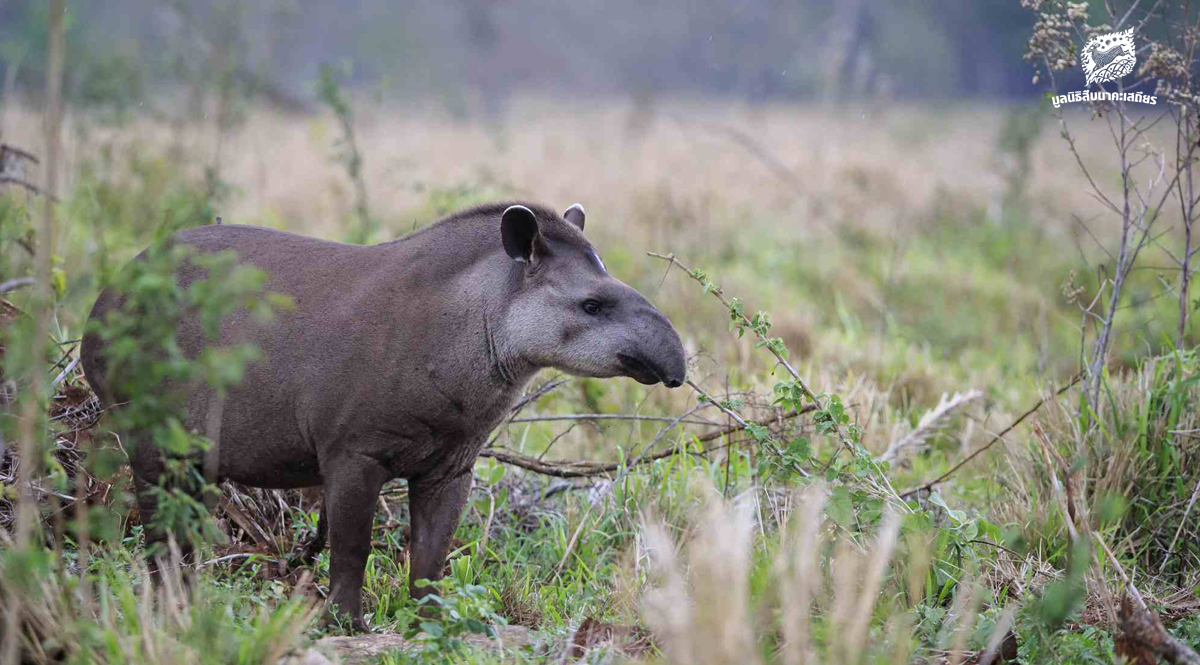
[(881, 484), (740, 421), (719, 294)]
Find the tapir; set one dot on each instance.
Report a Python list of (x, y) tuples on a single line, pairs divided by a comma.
[(397, 360)]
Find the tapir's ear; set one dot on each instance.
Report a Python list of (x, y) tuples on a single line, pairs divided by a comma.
[(575, 215), (519, 231)]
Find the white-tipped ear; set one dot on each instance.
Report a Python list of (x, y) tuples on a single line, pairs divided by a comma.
[(575, 215), (519, 232)]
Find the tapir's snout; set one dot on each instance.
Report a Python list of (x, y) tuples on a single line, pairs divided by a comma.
[(672, 365), (674, 373), (658, 356)]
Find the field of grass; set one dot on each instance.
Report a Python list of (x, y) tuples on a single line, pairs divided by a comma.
[(925, 264)]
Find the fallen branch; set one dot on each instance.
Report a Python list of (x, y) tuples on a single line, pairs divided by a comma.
[(589, 469), (573, 468), (605, 416), (16, 283), (808, 408), (1143, 628), (1013, 425)]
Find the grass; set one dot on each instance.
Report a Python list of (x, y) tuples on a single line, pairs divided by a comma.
[(906, 267)]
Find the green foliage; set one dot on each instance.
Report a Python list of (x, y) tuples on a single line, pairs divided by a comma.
[(143, 358), (111, 614), (454, 611)]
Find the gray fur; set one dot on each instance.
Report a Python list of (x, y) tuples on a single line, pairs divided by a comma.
[(397, 362)]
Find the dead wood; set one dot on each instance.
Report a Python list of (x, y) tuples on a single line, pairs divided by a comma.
[(1143, 631), (589, 469)]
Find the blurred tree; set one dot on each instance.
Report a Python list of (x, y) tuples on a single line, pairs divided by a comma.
[(754, 49)]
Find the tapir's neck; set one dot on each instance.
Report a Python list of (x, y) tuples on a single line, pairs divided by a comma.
[(458, 284)]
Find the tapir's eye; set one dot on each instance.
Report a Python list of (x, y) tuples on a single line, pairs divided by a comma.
[(591, 307)]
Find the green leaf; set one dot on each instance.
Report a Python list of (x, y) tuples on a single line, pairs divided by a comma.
[(841, 508), (956, 515), (476, 627)]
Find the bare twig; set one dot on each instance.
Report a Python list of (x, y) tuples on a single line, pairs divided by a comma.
[(590, 469), (553, 441), (7, 149), (537, 394), (577, 468), (228, 557), (808, 408), (25, 184)]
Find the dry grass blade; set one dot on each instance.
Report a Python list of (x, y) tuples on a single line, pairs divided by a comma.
[(29, 445), (929, 423), (799, 577), (708, 621), (881, 556)]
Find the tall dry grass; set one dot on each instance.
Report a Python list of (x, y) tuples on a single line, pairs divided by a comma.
[(127, 619), (875, 166), (832, 598)]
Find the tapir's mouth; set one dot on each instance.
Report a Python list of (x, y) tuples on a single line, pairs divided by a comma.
[(639, 370)]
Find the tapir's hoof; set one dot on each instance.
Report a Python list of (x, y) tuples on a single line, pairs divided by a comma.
[(359, 626), (306, 556), (302, 559), (341, 621)]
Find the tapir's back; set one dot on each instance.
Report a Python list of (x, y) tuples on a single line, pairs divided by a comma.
[(338, 360), (304, 268)]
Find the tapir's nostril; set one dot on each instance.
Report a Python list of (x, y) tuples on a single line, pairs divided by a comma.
[(672, 383)]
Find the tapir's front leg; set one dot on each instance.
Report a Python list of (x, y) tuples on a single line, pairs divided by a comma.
[(435, 506), (352, 485)]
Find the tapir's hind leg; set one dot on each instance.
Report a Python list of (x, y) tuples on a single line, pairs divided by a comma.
[(148, 465), (435, 507)]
